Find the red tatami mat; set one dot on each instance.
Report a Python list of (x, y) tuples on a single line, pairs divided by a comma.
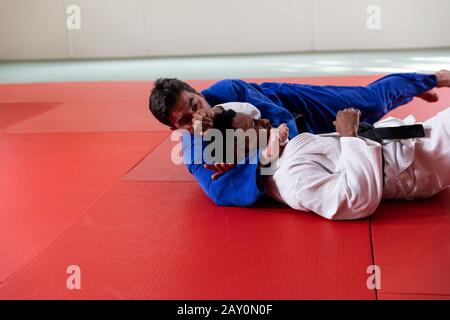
[(85, 117), (411, 242), (12, 113), (158, 165), (163, 240), (48, 180), (64, 145), (76, 91)]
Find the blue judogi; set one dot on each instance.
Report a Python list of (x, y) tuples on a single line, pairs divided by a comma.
[(242, 186)]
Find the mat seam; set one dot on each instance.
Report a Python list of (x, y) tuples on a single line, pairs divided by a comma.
[(144, 157), (52, 240), (58, 235), (372, 251)]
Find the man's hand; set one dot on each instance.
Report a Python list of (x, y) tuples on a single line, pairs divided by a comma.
[(204, 117), (202, 120), (347, 122), (219, 169)]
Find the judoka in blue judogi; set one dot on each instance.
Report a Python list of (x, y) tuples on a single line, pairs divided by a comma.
[(279, 102)]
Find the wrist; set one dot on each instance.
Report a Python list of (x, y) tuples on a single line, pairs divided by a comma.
[(348, 133)]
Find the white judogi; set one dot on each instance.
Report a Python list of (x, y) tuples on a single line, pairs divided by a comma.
[(341, 178), (336, 177)]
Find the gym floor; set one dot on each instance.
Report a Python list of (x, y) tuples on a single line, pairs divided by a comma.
[(87, 180)]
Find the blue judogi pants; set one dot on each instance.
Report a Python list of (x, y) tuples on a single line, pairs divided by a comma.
[(320, 104)]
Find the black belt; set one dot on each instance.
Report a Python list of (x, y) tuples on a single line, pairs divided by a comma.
[(300, 122), (368, 131)]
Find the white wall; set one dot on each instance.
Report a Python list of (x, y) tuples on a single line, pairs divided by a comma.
[(110, 28), (228, 26), (341, 24), (36, 29), (32, 29)]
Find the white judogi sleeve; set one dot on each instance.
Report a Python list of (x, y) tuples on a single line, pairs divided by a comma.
[(243, 107), (338, 178)]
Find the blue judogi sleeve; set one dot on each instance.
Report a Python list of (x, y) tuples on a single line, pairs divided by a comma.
[(240, 91)]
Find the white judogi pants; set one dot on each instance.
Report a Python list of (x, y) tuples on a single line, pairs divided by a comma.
[(417, 168)]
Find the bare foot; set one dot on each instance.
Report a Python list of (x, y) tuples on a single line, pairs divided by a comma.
[(430, 96), (443, 78)]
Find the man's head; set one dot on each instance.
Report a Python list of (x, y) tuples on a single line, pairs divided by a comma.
[(174, 102)]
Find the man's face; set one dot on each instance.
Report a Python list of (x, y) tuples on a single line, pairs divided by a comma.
[(187, 105)]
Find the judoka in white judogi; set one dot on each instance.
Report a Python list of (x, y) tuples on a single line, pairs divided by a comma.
[(342, 178)]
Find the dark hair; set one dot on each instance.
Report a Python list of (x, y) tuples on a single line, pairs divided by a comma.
[(222, 122), (164, 95)]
